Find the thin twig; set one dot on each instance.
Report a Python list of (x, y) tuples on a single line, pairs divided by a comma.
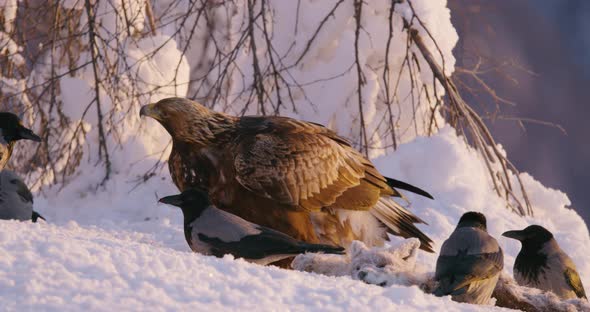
[(102, 139)]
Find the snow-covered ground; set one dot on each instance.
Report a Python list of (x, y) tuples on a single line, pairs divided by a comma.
[(119, 249), (47, 267), (113, 247)]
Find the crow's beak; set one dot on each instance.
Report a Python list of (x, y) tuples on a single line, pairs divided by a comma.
[(27, 134), (149, 110), (518, 235), (174, 200)]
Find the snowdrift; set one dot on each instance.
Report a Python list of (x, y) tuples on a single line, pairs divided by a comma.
[(118, 248), (112, 246), (48, 267)]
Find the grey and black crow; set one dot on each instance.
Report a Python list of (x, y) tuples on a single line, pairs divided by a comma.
[(16, 201), (12, 130), (542, 264), (470, 262), (212, 231)]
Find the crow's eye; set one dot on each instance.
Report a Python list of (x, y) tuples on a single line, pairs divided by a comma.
[(14, 181)]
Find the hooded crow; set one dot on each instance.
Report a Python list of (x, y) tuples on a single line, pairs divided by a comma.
[(12, 130), (212, 231), (16, 201), (542, 264), (470, 262)]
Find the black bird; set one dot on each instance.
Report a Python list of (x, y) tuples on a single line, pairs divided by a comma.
[(470, 262), (12, 130), (212, 231), (542, 264), (16, 201)]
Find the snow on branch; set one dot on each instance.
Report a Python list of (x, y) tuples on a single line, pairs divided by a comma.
[(464, 118), (87, 66)]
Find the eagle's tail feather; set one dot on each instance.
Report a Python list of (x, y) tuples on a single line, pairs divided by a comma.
[(400, 222), (393, 183)]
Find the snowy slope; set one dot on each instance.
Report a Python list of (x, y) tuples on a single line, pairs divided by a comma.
[(113, 247), (458, 179), (48, 267), (100, 252)]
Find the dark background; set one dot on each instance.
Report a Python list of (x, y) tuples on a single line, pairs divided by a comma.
[(540, 50)]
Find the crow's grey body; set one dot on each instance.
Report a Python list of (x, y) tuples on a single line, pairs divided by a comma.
[(542, 264), (212, 231), (216, 223), (552, 276), (16, 201), (469, 264)]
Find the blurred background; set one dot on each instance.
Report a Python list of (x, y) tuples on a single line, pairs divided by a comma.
[(536, 57)]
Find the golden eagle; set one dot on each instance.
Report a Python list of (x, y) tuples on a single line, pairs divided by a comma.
[(293, 176)]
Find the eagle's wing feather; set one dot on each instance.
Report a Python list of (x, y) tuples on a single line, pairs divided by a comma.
[(301, 164)]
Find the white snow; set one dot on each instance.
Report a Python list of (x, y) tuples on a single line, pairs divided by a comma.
[(7, 45), (9, 8), (99, 251), (48, 267), (113, 247), (457, 178), (10, 48)]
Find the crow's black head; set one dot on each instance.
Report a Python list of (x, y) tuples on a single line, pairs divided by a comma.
[(531, 260), (189, 198), (11, 129), (532, 236), (192, 202), (473, 219)]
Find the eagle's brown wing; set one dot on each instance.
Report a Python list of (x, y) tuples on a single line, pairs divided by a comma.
[(304, 165)]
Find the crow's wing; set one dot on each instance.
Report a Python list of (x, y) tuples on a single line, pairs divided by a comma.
[(461, 270), (573, 280), (267, 243)]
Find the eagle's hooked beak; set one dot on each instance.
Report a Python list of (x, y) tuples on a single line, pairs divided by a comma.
[(149, 110), (518, 235), (175, 200), (27, 134)]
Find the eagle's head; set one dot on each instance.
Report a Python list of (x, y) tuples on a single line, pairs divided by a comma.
[(186, 120)]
